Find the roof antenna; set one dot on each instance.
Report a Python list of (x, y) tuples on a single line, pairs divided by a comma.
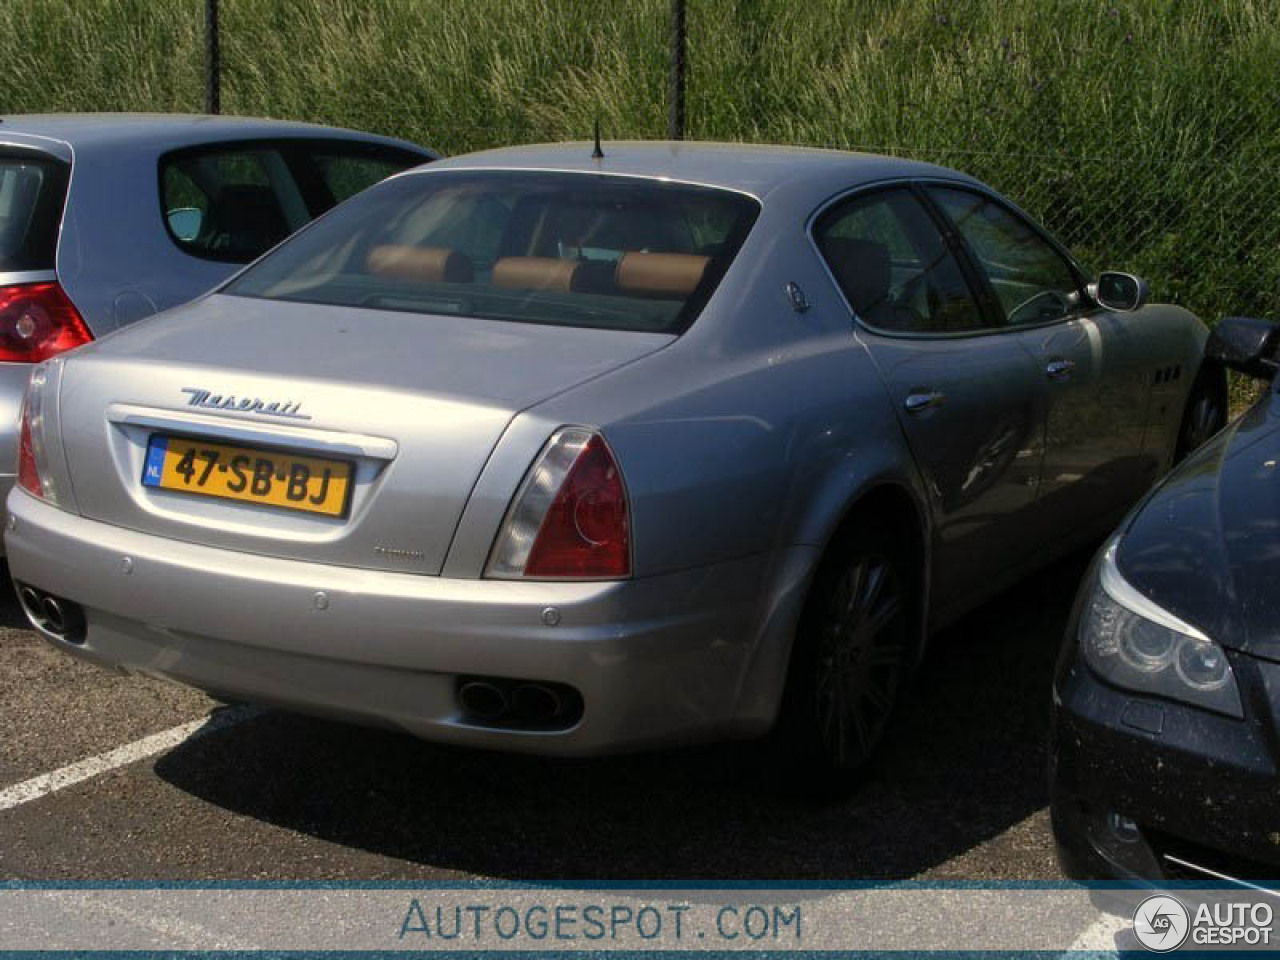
[(597, 153)]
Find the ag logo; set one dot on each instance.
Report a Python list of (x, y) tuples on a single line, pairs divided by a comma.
[(1161, 923)]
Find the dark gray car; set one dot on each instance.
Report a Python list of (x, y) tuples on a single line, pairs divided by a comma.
[(109, 218), (1166, 707)]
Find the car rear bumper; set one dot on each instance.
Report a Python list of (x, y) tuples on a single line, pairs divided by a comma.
[(655, 660), (1151, 790)]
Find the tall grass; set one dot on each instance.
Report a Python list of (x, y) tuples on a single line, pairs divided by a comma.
[(1145, 132)]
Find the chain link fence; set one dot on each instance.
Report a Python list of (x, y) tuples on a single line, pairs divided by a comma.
[(1144, 133)]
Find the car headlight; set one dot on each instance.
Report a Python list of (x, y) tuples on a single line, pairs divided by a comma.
[(1134, 643)]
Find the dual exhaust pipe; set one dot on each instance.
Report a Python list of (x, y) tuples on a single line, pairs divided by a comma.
[(62, 618), (519, 703), (487, 700)]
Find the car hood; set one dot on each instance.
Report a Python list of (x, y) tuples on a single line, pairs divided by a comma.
[(1205, 545)]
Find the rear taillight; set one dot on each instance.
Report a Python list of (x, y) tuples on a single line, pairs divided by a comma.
[(34, 474), (569, 519), (37, 322), (28, 472)]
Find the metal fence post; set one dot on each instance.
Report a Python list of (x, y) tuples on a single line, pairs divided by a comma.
[(675, 75), (212, 59)]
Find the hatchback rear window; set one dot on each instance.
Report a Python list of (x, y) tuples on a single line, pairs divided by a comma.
[(32, 190), (569, 249)]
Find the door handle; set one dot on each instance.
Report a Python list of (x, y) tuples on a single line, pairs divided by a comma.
[(923, 400), (1060, 369)]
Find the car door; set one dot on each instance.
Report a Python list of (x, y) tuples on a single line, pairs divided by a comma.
[(1093, 377), (966, 395)]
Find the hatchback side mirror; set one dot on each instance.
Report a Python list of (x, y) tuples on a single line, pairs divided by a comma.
[(185, 223), (1247, 344), (1120, 291)]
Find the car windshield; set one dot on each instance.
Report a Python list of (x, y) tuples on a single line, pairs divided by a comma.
[(569, 249)]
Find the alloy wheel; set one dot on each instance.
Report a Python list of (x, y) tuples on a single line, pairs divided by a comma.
[(860, 659)]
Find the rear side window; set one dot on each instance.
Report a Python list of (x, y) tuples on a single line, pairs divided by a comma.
[(33, 188), (346, 174), (894, 267), (568, 249), (230, 205), (233, 202)]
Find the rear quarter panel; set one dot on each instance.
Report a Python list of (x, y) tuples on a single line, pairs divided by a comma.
[(115, 259), (749, 434), (746, 439)]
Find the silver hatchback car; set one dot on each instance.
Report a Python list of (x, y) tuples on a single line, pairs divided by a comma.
[(545, 452), (109, 218)]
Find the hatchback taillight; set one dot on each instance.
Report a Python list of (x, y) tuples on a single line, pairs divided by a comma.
[(38, 321), (570, 519)]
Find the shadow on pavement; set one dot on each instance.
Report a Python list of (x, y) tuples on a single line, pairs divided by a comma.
[(11, 615), (965, 762)]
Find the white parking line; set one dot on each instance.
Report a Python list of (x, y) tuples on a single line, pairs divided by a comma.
[(1100, 936), (81, 770)]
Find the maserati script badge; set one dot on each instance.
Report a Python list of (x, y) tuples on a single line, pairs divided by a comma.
[(228, 401)]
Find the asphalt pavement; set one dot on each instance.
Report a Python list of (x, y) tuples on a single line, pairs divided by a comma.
[(959, 793)]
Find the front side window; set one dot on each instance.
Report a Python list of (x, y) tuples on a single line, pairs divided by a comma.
[(894, 267), (1033, 281), (557, 248)]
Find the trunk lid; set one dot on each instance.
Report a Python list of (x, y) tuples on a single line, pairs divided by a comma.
[(413, 403)]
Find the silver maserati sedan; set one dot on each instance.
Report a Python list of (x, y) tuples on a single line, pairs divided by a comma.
[(543, 451)]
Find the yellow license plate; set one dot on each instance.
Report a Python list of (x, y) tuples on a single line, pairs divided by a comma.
[(269, 477)]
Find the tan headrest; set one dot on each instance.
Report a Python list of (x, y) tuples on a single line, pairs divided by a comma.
[(429, 264), (534, 273), (660, 274)]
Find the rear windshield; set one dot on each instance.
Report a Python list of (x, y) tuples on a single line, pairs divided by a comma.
[(555, 248), (32, 189)]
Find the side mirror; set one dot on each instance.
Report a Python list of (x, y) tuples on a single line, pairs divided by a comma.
[(1247, 344), (185, 222), (1120, 291)]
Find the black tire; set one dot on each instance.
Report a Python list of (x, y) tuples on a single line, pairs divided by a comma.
[(853, 648), (1205, 413)]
